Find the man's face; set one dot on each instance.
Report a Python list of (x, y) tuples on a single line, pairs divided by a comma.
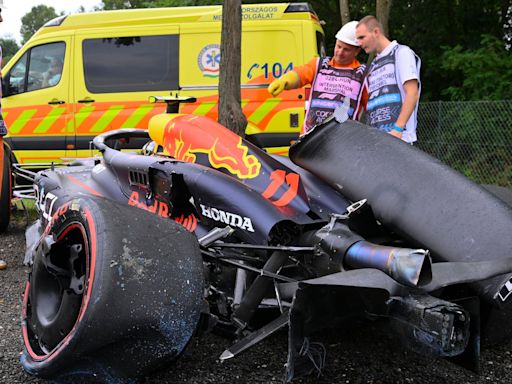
[(344, 53), (367, 39)]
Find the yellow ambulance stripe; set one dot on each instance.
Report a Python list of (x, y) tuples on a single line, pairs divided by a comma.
[(50, 118), (70, 127), (82, 114), (106, 118), (22, 119), (262, 111), (137, 116), (203, 108)]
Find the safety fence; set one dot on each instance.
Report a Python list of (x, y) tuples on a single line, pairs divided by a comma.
[(473, 137)]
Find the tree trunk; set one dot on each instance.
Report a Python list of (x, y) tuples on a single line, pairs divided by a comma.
[(383, 8), (345, 12), (230, 110)]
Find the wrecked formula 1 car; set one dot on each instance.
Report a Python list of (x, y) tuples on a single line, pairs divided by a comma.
[(133, 252)]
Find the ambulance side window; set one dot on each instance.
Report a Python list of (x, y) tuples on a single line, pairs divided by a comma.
[(131, 64), (15, 79), (38, 68)]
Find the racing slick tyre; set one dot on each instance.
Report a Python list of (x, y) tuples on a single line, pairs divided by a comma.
[(114, 292), (5, 187)]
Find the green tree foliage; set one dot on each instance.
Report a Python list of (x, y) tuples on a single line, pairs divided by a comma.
[(428, 25), (485, 72), (9, 48), (125, 4), (507, 26), (35, 19)]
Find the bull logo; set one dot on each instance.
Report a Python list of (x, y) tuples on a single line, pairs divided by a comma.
[(185, 136)]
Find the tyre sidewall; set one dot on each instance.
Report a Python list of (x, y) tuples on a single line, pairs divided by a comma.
[(69, 213), (143, 292)]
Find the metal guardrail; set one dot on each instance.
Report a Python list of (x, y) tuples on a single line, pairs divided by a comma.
[(473, 137)]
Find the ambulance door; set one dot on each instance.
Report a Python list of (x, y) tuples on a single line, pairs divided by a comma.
[(200, 63), (36, 103), (116, 72), (273, 122)]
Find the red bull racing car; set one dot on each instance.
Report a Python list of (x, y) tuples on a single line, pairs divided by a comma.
[(135, 252)]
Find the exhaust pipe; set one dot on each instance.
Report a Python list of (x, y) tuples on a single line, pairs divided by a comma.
[(411, 267)]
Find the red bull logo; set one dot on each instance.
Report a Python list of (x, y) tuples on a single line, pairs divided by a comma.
[(189, 222), (185, 136), (159, 208)]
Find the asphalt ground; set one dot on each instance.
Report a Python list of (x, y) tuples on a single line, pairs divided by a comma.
[(358, 354)]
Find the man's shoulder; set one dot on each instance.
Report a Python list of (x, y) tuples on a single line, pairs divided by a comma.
[(408, 63), (405, 50)]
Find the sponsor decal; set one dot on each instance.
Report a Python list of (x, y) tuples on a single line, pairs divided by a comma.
[(505, 291), (279, 180), (159, 207), (231, 219), (189, 222), (185, 136), (45, 203), (208, 60)]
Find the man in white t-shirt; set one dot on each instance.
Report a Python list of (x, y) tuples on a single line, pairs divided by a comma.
[(393, 82)]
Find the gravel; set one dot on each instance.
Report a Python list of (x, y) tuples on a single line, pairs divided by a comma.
[(363, 354)]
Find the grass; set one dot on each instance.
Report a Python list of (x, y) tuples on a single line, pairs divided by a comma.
[(24, 209)]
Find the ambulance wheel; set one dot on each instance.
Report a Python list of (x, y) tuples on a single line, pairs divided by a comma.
[(114, 292), (5, 187)]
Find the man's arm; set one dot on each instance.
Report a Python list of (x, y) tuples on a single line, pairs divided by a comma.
[(409, 104)]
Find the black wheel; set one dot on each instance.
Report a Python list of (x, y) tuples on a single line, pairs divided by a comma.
[(5, 187), (114, 292)]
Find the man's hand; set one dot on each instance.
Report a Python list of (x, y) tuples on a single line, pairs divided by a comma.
[(289, 81), (276, 87), (395, 133)]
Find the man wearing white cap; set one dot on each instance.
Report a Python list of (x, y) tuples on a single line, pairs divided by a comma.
[(331, 79)]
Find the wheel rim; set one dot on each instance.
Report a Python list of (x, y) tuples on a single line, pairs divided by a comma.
[(57, 288)]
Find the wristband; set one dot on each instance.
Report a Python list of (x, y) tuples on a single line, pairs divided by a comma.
[(397, 128)]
